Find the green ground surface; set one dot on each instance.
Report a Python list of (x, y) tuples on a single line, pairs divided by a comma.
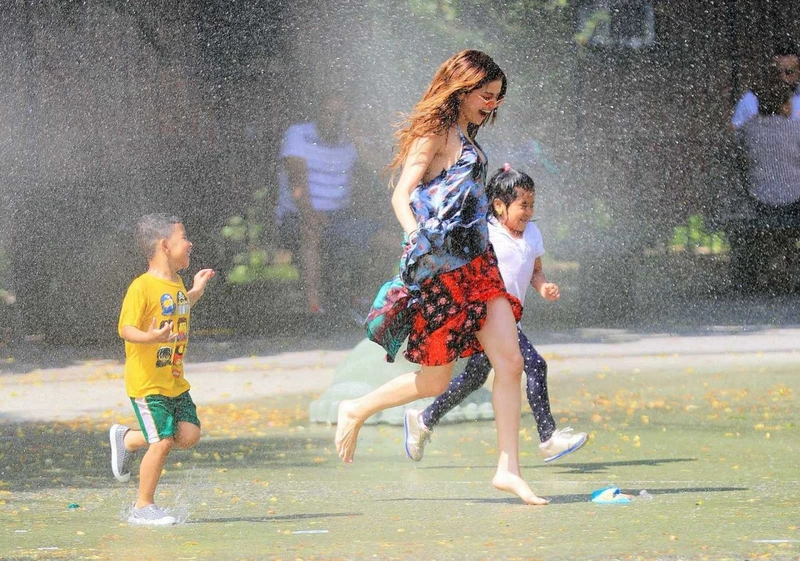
[(716, 447)]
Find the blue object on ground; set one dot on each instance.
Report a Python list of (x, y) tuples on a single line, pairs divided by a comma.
[(610, 496)]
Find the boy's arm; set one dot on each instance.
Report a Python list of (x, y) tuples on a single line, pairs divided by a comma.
[(547, 290), (155, 334), (199, 286)]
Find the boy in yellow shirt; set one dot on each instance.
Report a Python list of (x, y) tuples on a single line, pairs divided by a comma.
[(154, 322)]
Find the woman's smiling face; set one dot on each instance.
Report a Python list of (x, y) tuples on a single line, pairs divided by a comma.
[(478, 104)]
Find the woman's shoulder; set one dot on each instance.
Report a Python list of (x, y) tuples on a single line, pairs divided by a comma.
[(432, 139), (430, 144)]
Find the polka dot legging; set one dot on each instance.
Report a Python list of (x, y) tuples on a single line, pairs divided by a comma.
[(475, 375)]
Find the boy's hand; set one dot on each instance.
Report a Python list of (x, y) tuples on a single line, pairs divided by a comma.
[(550, 291), (201, 277), (161, 334)]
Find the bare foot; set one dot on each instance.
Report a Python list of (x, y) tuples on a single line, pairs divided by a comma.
[(515, 484), (347, 427)]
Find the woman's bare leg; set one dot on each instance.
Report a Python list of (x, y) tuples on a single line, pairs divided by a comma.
[(499, 340), (430, 381)]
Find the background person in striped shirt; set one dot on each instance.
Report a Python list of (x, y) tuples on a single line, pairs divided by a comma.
[(771, 147), (314, 203)]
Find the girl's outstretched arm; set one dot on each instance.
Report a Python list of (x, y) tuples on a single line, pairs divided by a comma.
[(547, 290)]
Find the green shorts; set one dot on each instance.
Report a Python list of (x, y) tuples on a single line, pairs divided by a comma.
[(159, 415)]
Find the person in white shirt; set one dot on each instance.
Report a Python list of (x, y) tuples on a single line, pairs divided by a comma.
[(314, 202), (764, 251), (519, 247), (771, 142), (786, 62)]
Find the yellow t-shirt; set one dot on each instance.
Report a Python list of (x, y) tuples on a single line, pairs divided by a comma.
[(157, 368)]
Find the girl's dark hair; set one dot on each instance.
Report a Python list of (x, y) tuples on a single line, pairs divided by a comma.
[(503, 185)]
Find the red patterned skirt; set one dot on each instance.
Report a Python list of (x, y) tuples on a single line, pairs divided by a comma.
[(453, 308)]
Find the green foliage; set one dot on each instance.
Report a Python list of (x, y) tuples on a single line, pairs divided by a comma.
[(252, 260), (601, 215), (522, 16), (3, 267), (583, 36), (6, 297), (595, 218), (693, 236), (255, 265), (486, 25), (512, 11)]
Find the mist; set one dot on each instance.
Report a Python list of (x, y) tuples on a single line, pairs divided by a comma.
[(111, 111)]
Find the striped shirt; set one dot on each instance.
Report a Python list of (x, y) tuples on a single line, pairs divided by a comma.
[(747, 108), (330, 169), (772, 145)]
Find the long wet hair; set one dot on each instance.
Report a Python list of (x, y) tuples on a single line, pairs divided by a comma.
[(505, 185), (437, 111)]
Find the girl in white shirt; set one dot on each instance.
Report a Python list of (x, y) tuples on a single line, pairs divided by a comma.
[(518, 245)]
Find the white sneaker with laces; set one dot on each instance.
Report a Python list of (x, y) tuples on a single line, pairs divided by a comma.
[(417, 434), (562, 443), (150, 515), (120, 457)]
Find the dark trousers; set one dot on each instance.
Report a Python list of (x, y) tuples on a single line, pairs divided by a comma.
[(475, 375)]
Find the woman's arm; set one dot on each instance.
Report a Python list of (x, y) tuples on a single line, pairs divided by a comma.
[(422, 152)]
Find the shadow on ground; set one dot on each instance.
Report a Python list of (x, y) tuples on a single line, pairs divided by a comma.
[(574, 498), (599, 467), (274, 519), (578, 468), (38, 456)]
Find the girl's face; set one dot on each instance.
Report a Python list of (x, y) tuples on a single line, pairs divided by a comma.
[(478, 104), (179, 248), (515, 216)]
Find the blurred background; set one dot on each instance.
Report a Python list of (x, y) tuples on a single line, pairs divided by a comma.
[(619, 109)]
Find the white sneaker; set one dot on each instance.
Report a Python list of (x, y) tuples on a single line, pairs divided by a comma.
[(150, 515), (120, 457), (417, 434), (562, 443)]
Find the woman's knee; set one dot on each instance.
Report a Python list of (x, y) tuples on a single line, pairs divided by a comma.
[(433, 381), (439, 386), (509, 365)]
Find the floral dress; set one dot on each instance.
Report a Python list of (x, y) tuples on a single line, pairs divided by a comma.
[(447, 275)]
